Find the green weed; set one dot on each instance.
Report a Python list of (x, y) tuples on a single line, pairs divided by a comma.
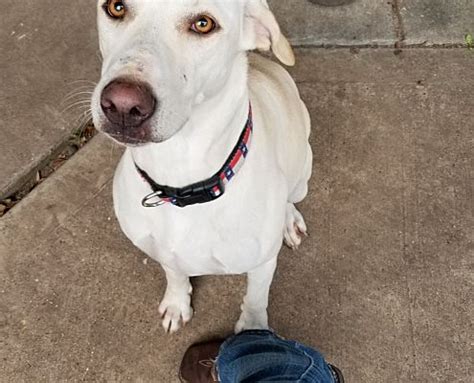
[(469, 40)]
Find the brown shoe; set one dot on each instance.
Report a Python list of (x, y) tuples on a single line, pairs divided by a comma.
[(199, 363)]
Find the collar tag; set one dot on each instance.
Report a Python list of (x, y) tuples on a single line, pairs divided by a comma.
[(153, 200)]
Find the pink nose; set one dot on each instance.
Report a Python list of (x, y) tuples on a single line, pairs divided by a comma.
[(127, 104)]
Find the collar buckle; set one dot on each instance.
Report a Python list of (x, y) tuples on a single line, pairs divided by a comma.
[(199, 193)]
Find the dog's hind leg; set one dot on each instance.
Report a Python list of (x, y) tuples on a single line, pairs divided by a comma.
[(295, 227), (175, 308), (254, 309), (300, 191)]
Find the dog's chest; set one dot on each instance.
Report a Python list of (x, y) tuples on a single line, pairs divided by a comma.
[(204, 242), (207, 247), (232, 235)]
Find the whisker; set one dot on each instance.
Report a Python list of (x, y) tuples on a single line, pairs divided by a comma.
[(83, 85), (74, 95), (79, 102), (80, 89), (85, 120), (112, 150), (80, 105)]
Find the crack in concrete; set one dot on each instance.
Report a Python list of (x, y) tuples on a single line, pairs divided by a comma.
[(412, 325), (398, 23), (423, 45)]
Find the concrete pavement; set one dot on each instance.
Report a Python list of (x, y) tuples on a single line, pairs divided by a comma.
[(368, 22), (383, 286), (429, 22)]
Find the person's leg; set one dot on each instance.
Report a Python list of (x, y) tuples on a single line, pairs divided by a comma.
[(256, 356), (262, 356)]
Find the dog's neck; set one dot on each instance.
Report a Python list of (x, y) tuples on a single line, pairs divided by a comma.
[(202, 146)]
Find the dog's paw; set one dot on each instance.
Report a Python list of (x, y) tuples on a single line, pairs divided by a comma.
[(175, 313), (252, 320), (295, 227)]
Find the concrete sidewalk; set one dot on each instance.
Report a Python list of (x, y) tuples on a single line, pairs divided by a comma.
[(383, 286)]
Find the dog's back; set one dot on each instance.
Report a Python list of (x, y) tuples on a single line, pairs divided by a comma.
[(287, 120)]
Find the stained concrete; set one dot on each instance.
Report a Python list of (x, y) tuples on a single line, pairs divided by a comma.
[(364, 22), (47, 50), (437, 21), (383, 286)]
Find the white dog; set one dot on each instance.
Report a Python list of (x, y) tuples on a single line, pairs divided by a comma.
[(217, 142)]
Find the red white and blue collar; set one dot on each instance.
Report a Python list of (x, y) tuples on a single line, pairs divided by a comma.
[(204, 191)]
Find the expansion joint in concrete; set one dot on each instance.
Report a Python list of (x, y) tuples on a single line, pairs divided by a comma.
[(398, 23)]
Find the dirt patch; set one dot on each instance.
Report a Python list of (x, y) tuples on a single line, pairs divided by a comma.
[(75, 143)]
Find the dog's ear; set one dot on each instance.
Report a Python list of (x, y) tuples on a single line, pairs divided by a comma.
[(261, 31)]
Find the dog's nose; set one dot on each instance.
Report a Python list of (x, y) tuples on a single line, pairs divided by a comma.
[(127, 103)]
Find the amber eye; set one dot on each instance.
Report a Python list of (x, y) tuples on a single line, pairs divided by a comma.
[(203, 25), (116, 9)]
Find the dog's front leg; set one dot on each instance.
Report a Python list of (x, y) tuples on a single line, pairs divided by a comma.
[(175, 308), (254, 309)]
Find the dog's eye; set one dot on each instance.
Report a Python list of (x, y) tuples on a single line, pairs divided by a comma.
[(204, 25), (116, 9)]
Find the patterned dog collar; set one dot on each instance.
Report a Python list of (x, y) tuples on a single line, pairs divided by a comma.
[(204, 191)]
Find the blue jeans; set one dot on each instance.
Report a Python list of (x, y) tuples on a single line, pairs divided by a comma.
[(261, 356)]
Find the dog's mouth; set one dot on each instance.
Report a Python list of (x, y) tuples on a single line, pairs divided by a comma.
[(128, 141), (133, 137)]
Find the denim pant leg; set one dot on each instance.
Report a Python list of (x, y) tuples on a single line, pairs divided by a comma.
[(261, 356)]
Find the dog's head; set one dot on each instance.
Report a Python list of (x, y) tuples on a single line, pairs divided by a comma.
[(162, 58)]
